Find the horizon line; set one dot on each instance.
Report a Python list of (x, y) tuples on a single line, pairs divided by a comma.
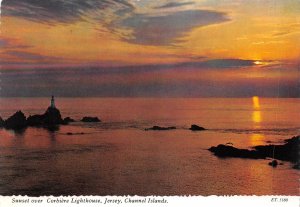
[(158, 97)]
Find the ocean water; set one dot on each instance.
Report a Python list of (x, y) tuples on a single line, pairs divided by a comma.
[(118, 157)]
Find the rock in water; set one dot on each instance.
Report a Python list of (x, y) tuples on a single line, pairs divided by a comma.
[(274, 163), (289, 151), (1, 122), (90, 119), (35, 120), (195, 127), (229, 151), (160, 128), (52, 116), (16, 121), (297, 166), (68, 119)]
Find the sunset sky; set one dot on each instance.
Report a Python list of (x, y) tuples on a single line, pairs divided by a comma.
[(145, 48)]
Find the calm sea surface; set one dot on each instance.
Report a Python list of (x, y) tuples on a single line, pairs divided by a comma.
[(118, 157)]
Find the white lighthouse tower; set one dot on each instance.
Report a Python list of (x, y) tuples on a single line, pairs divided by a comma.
[(52, 103)]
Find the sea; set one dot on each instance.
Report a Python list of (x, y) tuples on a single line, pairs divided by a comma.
[(117, 156)]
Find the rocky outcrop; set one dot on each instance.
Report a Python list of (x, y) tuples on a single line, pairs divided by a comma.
[(1, 122), (51, 117), (72, 133), (160, 128), (90, 119), (68, 120), (35, 120), (195, 127), (16, 121), (289, 151), (297, 166), (274, 163), (230, 151)]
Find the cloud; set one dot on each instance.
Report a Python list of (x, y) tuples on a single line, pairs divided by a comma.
[(64, 11), (3, 43), (174, 4), (221, 63), (213, 64), (6, 43), (119, 16), (165, 29), (28, 56), (95, 82)]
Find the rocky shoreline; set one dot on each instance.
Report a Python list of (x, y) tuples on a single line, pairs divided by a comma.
[(289, 151)]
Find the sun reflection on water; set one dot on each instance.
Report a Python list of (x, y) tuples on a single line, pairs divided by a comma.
[(255, 100), (256, 139), (256, 114)]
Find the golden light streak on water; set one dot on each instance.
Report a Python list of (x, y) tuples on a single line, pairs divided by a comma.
[(256, 116), (255, 100), (257, 139)]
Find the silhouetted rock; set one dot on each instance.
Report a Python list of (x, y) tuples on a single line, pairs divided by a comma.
[(1, 122), (90, 119), (286, 152), (76, 133), (68, 119), (36, 120), (16, 121), (297, 166), (274, 163), (51, 117), (160, 128), (289, 151), (195, 127), (229, 151)]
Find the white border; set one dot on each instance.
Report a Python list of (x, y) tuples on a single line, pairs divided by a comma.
[(189, 201)]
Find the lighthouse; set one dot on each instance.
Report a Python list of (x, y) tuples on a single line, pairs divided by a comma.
[(52, 103)]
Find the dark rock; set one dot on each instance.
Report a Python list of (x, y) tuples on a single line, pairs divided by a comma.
[(16, 121), (289, 151), (90, 119), (68, 119), (274, 163), (35, 120), (160, 128), (74, 133), (286, 152), (50, 118), (195, 127), (1, 122), (229, 151), (297, 166)]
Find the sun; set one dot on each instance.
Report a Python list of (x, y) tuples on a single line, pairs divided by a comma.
[(257, 62)]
